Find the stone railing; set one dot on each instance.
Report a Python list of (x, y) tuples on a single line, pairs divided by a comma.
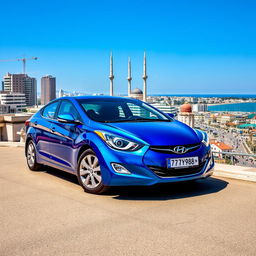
[(11, 126)]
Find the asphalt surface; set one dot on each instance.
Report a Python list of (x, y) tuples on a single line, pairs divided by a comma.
[(47, 213)]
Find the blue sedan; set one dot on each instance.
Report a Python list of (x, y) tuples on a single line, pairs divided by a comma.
[(115, 141)]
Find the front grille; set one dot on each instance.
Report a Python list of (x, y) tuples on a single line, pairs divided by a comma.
[(170, 149), (175, 172)]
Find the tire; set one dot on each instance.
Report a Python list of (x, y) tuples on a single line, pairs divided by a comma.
[(31, 157), (89, 173)]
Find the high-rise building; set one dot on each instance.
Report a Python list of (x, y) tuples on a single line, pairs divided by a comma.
[(21, 83), (48, 89), (30, 91), (200, 108), (14, 83)]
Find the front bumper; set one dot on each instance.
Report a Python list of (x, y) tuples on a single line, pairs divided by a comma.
[(139, 163), (144, 176)]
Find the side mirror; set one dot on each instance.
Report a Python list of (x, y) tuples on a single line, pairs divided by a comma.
[(68, 118), (171, 115)]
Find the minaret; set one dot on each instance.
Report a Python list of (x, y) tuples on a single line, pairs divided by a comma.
[(111, 76), (145, 78), (129, 78)]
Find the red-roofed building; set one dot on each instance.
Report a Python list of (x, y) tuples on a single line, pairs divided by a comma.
[(219, 146)]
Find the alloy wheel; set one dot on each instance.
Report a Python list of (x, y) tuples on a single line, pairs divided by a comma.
[(89, 171), (31, 155)]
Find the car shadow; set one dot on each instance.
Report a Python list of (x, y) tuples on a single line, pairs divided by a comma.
[(60, 174), (167, 191)]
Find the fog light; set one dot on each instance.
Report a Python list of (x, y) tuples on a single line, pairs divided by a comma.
[(120, 169)]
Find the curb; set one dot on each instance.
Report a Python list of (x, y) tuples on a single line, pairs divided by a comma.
[(12, 144), (243, 175)]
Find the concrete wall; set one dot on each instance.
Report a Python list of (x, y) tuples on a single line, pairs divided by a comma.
[(10, 125)]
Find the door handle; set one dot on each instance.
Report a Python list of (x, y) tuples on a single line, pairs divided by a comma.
[(35, 123), (53, 129)]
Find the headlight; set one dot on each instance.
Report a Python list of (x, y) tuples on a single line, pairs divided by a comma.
[(117, 142), (205, 139)]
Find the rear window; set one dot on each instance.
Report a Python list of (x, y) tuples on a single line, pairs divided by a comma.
[(49, 110)]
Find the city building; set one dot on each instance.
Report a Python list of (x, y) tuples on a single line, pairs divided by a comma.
[(61, 93), (200, 108), (21, 83), (48, 89), (220, 147), (166, 108), (14, 83), (12, 102), (30, 91), (226, 118), (186, 116), (5, 109)]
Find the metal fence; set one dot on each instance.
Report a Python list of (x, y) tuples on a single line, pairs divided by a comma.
[(234, 158)]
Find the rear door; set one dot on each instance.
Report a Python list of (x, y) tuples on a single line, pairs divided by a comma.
[(43, 129)]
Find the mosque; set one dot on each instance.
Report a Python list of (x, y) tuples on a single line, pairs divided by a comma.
[(135, 93)]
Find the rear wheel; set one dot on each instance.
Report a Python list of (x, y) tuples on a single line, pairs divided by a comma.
[(31, 157), (89, 173)]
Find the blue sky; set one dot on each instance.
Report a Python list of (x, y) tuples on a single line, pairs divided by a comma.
[(192, 46)]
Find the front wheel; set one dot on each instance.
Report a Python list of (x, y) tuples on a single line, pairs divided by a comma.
[(89, 173)]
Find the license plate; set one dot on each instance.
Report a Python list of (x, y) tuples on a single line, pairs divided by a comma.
[(182, 162)]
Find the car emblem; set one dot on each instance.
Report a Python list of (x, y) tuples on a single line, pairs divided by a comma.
[(180, 150)]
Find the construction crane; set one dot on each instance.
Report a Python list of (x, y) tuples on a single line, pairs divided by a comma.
[(24, 60)]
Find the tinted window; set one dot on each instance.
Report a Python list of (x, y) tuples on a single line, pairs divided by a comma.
[(66, 107), (49, 111), (142, 112), (108, 110)]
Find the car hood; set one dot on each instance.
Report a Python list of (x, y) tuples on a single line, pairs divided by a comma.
[(160, 133)]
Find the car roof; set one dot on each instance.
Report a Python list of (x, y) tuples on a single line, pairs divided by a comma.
[(100, 97)]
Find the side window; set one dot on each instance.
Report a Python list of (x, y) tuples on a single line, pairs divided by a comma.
[(121, 111), (49, 111), (67, 107)]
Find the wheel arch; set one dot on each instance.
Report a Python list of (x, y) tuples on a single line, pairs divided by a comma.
[(28, 139), (82, 149)]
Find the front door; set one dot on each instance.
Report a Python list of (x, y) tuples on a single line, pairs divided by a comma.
[(65, 134)]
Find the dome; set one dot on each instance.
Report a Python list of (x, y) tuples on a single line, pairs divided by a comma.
[(187, 108), (136, 91)]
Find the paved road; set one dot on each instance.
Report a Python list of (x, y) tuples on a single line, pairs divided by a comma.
[(47, 213), (236, 141)]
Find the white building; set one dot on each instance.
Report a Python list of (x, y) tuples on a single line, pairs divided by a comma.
[(164, 107), (186, 116), (16, 101), (200, 108), (218, 146)]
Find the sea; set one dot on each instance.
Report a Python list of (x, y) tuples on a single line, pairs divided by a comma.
[(238, 96), (234, 107)]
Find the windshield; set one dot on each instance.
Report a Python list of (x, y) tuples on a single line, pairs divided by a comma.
[(120, 110)]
